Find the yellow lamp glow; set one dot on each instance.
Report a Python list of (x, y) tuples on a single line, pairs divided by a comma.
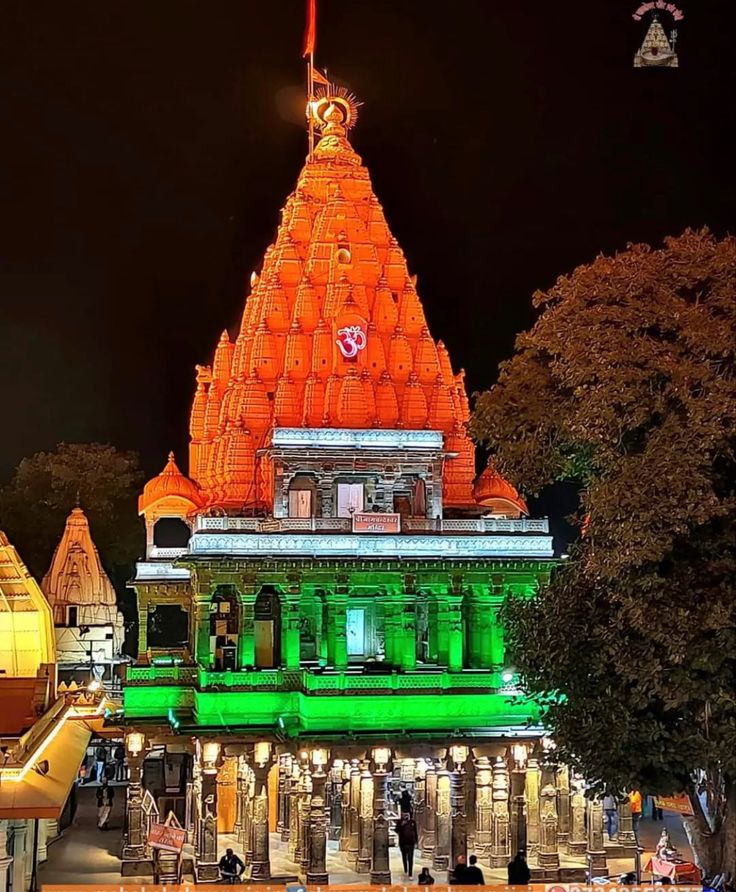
[(459, 753), (262, 752), (210, 752), (134, 742), (520, 754), (319, 757), (381, 755)]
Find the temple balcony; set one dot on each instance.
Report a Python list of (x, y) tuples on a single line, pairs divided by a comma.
[(451, 526)]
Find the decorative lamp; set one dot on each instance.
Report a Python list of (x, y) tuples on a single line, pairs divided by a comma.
[(507, 676), (459, 753), (135, 741), (381, 755), (520, 753), (319, 758), (94, 686), (210, 752), (548, 744), (262, 752), (304, 756)]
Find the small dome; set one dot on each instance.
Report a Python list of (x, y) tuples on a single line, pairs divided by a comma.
[(493, 490), (169, 483)]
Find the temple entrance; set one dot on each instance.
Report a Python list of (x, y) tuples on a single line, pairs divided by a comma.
[(224, 629), (267, 628)]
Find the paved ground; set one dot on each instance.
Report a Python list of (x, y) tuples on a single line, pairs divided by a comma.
[(87, 855)]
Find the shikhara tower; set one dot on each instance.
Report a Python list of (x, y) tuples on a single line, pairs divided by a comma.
[(319, 604)]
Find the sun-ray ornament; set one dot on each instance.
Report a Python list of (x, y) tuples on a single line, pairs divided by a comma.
[(333, 94)]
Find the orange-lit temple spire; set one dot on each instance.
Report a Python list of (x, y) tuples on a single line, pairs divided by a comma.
[(333, 334)]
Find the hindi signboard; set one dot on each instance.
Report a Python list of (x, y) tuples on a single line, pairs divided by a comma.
[(373, 522), (679, 804), (166, 838)]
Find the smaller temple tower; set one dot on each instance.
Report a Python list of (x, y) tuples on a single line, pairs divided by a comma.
[(89, 627), (656, 51)]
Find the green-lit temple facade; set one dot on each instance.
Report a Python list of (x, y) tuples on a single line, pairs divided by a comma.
[(319, 605)]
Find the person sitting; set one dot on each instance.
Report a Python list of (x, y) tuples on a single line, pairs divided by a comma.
[(425, 878), (473, 873), (518, 871), (457, 874), (231, 867)]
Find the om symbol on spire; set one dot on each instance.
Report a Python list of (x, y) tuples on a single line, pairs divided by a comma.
[(351, 340)]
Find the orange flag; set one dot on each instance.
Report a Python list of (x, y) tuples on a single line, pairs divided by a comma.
[(310, 34)]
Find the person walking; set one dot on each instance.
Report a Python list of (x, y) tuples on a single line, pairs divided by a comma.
[(231, 867), (473, 873), (406, 830), (610, 810), (105, 795), (518, 871), (425, 878), (406, 804), (119, 762), (100, 760), (635, 802)]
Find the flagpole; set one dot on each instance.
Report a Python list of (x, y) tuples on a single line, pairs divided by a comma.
[(310, 101)]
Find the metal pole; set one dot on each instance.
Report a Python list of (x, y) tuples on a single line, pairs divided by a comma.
[(34, 870), (310, 101)]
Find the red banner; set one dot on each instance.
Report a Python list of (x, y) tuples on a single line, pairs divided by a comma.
[(679, 804), (168, 839), (310, 35)]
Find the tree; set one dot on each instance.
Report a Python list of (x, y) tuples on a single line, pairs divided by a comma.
[(625, 384), (45, 487)]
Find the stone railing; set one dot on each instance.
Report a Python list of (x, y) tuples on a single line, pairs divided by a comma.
[(456, 526), (306, 681)]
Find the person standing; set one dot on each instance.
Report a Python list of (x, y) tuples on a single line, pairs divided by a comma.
[(406, 830), (100, 759), (611, 812), (635, 801), (518, 871), (406, 803), (473, 873), (119, 762)]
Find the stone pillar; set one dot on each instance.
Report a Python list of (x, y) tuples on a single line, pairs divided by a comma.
[(334, 802), (354, 822), (459, 837), (290, 628), (500, 852), (455, 633), (433, 630), (596, 852), (429, 839), (207, 858), (549, 857), (626, 835), (6, 860), (518, 811), (281, 794), (441, 856), (337, 642), (407, 655), (239, 795), (420, 803), (142, 627), (43, 835), (247, 639), (365, 821), (380, 866), (304, 806), (577, 842), (482, 619), (317, 869), (483, 806), (345, 817), (289, 763), (531, 794), (563, 806), (134, 845), (248, 811), (202, 626), (260, 870), (294, 785)]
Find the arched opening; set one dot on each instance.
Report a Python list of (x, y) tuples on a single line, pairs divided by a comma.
[(224, 629), (267, 628), (302, 496), (171, 532), (168, 627)]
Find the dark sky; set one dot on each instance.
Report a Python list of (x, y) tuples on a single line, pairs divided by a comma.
[(146, 152)]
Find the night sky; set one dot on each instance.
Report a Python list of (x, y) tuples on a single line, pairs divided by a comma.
[(147, 148)]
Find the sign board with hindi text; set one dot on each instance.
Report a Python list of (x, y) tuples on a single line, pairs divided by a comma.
[(166, 838), (372, 522), (679, 804)]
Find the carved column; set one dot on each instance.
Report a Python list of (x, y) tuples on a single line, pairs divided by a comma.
[(134, 845), (455, 633), (380, 867), (459, 831), (337, 642), (334, 801), (260, 869), (518, 811), (500, 851), (365, 821), (294, 784), (549, 857), (429, 838), (290, 630), (345, 817), (531, 792), (441, 856), (281, 794), (289, 764), (626, 835), (354, 822), (239, 796), (563, 806), (207, 858), (596, 852), (578, 842), (483, 806), (420, 804), (6, 860), (317, 869), (247, 639), (305, 804)]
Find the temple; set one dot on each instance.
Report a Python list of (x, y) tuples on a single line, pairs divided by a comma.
[(656, 51), (44, 732), (89, 628), (319, 603)]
